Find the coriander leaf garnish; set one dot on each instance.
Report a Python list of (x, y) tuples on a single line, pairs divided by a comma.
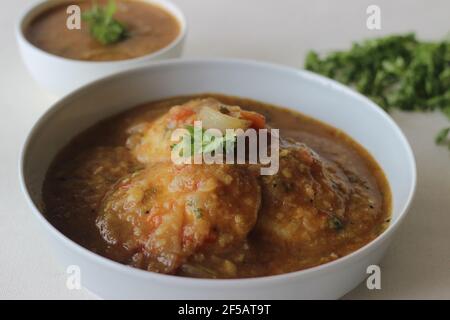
[(192, 205), (442, 137), (335, 223), (396, 71), (209, 143), (102, 25)]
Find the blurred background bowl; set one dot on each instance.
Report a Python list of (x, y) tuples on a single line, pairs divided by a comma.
[(60, 75)]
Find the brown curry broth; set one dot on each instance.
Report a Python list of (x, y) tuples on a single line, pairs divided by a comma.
[(150, 28), (76, 219)]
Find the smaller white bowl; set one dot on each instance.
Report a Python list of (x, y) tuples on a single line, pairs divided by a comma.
[(61, 75)]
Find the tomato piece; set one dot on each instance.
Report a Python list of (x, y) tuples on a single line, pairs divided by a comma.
[(258, 120), (181, 113)]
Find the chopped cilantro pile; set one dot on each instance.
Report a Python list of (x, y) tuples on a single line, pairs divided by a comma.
[(396, 71)]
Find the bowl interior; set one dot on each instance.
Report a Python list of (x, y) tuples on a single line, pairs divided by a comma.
[(310, 94)]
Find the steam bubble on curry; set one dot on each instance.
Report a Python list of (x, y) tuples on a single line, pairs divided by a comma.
[(114, 190), (137, 28)]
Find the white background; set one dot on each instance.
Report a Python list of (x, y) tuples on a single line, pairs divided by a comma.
[(417, 265)]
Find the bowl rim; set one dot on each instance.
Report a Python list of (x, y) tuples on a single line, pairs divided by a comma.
[(223, 283), (166, 5)]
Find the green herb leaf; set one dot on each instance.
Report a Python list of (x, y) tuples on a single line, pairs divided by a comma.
[(335, 223), (442, 136), (192, 205), (210, 143), (102, 25)]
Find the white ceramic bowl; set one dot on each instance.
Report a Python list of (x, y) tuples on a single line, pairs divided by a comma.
[(306, 92), (60, 75)]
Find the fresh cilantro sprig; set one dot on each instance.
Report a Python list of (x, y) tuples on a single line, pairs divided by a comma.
[(209, 143), (193, 206), (102, 25), (395, 71), (443, 137)]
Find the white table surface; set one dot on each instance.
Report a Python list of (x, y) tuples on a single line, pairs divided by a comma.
[(417, 264)]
